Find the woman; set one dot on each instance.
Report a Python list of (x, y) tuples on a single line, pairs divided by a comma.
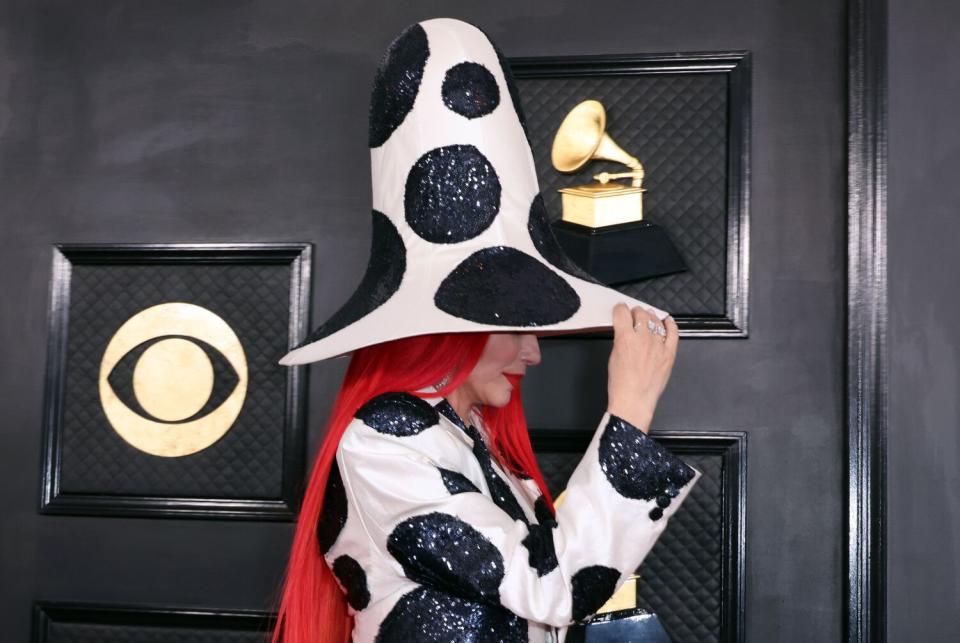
[(426, 517)]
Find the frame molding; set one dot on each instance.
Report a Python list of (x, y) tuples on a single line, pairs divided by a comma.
[(866, 332), (298, 256), (737, 66), (732, 447), (47, 612)]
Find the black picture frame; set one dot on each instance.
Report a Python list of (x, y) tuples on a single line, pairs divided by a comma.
[(731, 447), (296, 256), (736, 66), (49, 613)]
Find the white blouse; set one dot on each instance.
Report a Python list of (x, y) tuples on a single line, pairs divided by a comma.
[(432, 540)]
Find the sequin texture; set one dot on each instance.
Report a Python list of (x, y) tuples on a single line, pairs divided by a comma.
[(447, 411), (637, 466), (500, 491), (542, 554), (443, 551), (354, 580), (333, 515), (385, 269), (452, 194), (456, 482), (397, 82), (399, 414), (469, 89), (538, 225), (503, 286), (429, 616), (542, 510), (541, 550), (591, 587)]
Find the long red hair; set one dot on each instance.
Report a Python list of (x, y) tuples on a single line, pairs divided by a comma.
[(313, 609)]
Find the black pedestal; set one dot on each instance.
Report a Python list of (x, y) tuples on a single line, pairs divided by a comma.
[(620, 253), (627, 626)]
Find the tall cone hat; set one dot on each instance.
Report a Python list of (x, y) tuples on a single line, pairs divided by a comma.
[(461, 238)]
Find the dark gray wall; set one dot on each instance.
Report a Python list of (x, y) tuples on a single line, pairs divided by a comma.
[(924, 271), (187, 121)]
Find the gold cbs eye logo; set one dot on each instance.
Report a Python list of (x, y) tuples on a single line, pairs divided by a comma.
[(173, 379)]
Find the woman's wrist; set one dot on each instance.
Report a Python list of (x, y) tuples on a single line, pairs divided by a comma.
[(639, 417)]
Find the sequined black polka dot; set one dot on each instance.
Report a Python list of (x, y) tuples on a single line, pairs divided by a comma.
[(470, 90), (591, 587), (541, 550), (637, 466), (502, 286), (354, 580), (456, 482), (452, 194), (443, 551), (385, 269), (427, 615), (397, 82), (538, 225), (399, 414), (447, 411), (542, 510), (500, 491), (333, 516)]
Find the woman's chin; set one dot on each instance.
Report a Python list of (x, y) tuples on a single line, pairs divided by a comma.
[(501, 399)]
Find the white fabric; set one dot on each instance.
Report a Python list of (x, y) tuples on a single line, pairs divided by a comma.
[(389, 479)]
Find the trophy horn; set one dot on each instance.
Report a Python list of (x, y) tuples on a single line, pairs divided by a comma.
[(582, 137)]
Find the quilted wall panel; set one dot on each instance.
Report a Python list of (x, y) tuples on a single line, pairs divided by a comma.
[(247, 461)]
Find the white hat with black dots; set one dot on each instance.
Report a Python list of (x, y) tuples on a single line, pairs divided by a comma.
[(461, 238)]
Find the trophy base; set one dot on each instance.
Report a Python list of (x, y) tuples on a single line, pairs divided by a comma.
[(620, 253), (635, 625)]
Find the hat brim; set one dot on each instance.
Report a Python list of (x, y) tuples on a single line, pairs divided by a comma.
[(411, 312)]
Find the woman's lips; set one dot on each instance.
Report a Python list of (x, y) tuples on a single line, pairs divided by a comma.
[(514, 379)]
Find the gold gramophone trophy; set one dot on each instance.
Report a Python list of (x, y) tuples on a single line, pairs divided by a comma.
[(602, 227)]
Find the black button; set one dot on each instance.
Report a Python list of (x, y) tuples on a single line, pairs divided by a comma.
[(663, 501), (656, 513)]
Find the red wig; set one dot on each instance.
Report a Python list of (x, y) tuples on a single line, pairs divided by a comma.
[(313, 609)]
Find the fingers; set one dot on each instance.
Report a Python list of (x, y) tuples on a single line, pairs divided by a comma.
[(622, 320), (673, 333), (627, 319), (642, 318)]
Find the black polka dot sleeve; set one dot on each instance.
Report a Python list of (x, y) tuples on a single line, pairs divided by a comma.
[(430, 512)]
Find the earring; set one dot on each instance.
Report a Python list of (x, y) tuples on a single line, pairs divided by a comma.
[(443, 381)]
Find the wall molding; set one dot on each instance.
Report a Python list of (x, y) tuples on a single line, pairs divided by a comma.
[(866, 332), (48, 613)]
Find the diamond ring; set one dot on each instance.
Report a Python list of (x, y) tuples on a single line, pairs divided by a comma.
[(653, 327)]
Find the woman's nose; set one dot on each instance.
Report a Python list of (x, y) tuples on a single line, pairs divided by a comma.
[(529, 349)]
